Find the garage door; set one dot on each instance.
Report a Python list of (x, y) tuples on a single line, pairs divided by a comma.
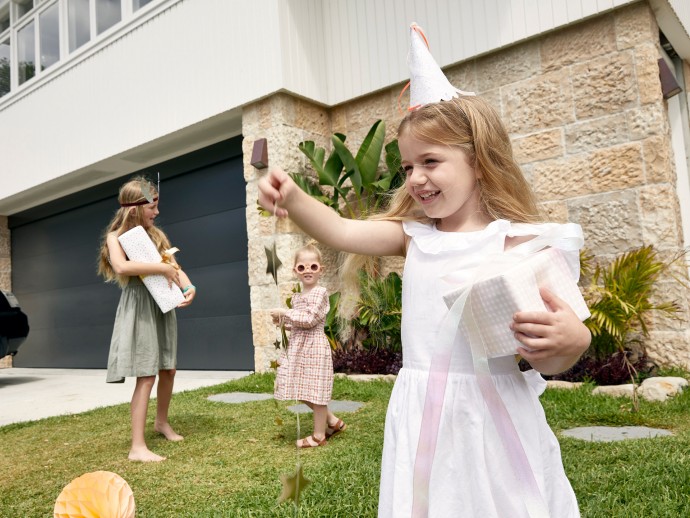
[(71, 310)]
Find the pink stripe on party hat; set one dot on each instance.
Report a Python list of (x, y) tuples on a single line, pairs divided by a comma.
[(428, 84)]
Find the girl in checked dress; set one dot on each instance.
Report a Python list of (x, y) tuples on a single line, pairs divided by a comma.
[(305, 371)]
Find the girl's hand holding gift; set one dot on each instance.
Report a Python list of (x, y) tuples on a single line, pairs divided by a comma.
[(189, 293), (553, 340), (171, 272)]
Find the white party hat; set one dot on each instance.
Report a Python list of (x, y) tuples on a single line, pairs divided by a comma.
[(428, 83)]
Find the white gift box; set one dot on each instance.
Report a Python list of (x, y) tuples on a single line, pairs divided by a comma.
[(493, 300), (138, 246)]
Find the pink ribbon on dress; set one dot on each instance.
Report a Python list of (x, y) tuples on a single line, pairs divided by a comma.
[(566, 237)]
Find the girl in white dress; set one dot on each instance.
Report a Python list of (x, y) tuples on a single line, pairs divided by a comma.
[(464, 200)]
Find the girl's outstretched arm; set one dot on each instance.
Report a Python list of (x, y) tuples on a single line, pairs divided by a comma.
[(279, 194), (556, 338)]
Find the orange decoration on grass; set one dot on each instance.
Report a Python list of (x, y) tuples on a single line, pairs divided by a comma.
[(100, 494)]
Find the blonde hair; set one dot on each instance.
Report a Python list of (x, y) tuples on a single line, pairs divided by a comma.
[(472, 125), (126, 218), (308, 248)]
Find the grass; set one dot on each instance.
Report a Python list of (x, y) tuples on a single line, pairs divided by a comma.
[(230, 462)]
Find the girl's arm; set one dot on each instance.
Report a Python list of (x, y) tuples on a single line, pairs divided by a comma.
[(556, 338), (280, 195), (191, 291), (315, 312), (123, 266)]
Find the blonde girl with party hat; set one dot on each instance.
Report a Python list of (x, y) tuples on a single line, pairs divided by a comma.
[(305, 370), (464, 202), (144, 339)]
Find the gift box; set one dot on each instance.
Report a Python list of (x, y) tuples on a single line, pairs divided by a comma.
[(493, 300), (138, 246)]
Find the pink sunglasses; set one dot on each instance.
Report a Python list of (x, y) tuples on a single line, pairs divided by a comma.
[(301, 268)]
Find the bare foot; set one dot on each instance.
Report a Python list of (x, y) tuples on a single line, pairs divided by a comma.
[(166, 430), (144, 455)]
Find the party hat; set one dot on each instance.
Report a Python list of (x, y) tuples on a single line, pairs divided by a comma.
[(428, 84)]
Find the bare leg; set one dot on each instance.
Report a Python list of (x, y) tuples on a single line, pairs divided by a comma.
[(139, 406), (320, 417), (331, 418), (166, 379)]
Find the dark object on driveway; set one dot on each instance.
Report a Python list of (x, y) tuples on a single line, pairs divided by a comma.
[(14, 325)]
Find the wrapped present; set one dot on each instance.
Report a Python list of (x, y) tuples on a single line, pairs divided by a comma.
[(492, 300), (138, 246)]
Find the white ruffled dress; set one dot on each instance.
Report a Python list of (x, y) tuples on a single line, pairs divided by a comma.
[(471, 475)]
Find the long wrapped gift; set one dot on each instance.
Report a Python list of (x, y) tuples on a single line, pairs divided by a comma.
[(138, 246), (494, 299)]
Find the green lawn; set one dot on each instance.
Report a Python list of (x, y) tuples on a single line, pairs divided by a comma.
[(230, 462)]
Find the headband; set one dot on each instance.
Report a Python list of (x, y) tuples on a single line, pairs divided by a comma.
[(137, 203)]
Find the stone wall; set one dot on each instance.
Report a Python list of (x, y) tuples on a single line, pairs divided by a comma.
[(589, 126), (5, 271)]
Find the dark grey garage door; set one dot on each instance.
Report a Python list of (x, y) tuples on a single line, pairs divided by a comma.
[(71, 310)]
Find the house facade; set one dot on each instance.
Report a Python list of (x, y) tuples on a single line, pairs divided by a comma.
[(93, 91)]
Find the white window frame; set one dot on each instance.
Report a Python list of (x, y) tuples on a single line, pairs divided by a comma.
[(127, 15), (31, 16)]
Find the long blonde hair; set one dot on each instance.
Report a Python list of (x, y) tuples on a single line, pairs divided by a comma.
[(472, 125), (126, 218)]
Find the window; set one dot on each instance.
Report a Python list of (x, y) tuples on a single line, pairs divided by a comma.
[(22, 7), (108, 13), (4, 18), (5, 52), (138, 4), (36, 34), (26, 52), (78, 21)]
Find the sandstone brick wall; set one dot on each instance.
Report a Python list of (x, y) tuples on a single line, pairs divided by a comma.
[(5, 271), (589, 126)]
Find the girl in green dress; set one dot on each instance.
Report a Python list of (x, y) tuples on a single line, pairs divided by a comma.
[(144, 340)]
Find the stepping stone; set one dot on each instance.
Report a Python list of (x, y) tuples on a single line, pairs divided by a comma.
[(239, 397), (614, 433), (333, 406)]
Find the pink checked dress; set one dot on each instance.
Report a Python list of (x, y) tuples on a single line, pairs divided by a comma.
[(305, 372), (471, 475)]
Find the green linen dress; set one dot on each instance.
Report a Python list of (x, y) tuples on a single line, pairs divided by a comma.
[(144, 338)]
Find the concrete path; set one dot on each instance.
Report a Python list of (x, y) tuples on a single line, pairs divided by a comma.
[(614, 433), (31, 394)]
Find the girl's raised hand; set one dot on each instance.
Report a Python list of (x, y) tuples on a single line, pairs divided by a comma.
[(554, 339), (274, 190)]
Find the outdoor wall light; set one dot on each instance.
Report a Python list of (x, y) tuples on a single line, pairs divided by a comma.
[(260, 154), (669, 85)]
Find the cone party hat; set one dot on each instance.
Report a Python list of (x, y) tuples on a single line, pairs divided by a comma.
[(428, 83)]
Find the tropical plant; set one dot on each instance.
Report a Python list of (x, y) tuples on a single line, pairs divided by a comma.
[(379, 311), (620, 298), (354, 186)]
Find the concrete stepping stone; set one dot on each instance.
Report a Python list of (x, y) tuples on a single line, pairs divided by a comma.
[(245, 397), (334, 406), (614, 433), (239, 397)]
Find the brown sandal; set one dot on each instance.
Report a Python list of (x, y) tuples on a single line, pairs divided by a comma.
[(310, 442), (337, 428)]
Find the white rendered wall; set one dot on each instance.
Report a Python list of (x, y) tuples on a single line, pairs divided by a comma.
[(183, 68)]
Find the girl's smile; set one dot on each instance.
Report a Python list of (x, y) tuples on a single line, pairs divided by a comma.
[(149, 213), (444, 182)]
